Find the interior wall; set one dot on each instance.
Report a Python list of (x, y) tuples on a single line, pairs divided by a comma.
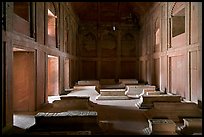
[(176, 80), (72, 49), (66, 74), (41, 79), (21, 18), (156, 72), (130, 67), (178, 54), (88, 70), (23, 81), (32, 33), (53, 76), (108, 53)]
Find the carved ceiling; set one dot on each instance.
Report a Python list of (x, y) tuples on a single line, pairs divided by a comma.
[(110, 12)]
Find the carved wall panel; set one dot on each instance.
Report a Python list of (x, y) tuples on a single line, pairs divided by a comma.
[(53, 76), (23, 81), (108, 45), (88, 46), (194, 23), (156, 72), (128, 45), (177, 80), (193, 64)]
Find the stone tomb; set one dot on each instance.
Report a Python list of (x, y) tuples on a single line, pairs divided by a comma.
[(88, 82), (191, 126), (162, 127), (136, 91), (175, 111), (148, 100), (112, 92), (128, 81), (71, 120), (71, 103)]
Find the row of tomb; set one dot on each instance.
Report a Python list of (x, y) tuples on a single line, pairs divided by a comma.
[(166, 113)]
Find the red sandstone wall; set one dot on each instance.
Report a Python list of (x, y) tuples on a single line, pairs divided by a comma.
[(175, 64), (41, 79), (109, 54), (23, 81), (53, 76)]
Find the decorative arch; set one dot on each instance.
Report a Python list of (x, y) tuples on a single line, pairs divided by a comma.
[(176, 7), (178, 19)]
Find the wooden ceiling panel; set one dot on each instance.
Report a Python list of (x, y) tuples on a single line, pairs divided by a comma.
[(109, 11)]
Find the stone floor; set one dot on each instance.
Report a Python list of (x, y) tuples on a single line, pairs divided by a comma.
[(123, 115), (115, 116)]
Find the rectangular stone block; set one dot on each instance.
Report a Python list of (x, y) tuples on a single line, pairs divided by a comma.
[(148, 100), (193, 122), (88, 82), (128, 81), (69, 118), (162, 125), (139, 89)]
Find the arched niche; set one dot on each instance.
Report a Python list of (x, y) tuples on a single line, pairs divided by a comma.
[(157, 35), (178, 25), (52, 24), (21, 17)]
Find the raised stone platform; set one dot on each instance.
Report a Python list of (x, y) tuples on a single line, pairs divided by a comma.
[(71, 103), (162, 127), (148, 100), (191, 126), (128, 81), (69, 118), (112, 93), (66, 123), (87, 82), (136, 91), (79, 87), (175, 111)]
